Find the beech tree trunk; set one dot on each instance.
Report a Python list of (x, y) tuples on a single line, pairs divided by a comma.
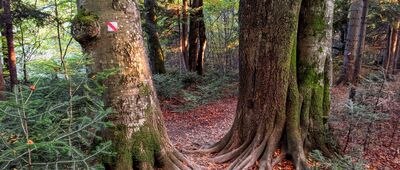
[(361, 42), (184, 34), (8, 29), (360, 50), (138, 134), (156, 53), (353, 32), (284, 93)]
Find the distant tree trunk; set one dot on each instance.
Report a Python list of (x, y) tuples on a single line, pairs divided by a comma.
[(284, 93), (2, 82), (4, 50), (138, 133), (346, 74), (386, 57), (361, 42), (393, 56), (197, 38), (203, 41), (397, 54), (156, 54), (392, 40), (194, 41), (360, 49), (24, 56), (184, 34), (12, 60)]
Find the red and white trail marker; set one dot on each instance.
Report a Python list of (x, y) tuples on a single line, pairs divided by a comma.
[(112, 26)]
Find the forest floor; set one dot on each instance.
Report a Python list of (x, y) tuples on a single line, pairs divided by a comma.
[(208, 123)]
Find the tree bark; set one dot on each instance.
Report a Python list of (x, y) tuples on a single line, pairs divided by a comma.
[(3, 53), (353, 32), (194, 32), (4, 50), (397, 54), (361, 43), (203, 41), (184, 34), (8, 27), (386, 58), (156, 53), (284, 85), (138, 133), (394, 41), (2, 82), (360, 50)]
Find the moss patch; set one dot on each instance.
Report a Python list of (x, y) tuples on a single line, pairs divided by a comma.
[(144, 89), (84, 17), (145, 147)]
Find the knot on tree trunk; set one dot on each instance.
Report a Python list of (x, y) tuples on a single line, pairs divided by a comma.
[(85, 27)]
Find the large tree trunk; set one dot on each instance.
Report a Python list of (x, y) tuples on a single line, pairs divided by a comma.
[(184, 34), (203, 41), (8, 27), (138, 133), (284, 85), (346, 74), (156, 54), (360, 50)]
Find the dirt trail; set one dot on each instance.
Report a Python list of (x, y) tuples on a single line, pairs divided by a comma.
[(207, 124)]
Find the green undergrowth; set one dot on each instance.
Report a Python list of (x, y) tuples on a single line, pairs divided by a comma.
[(190, 90), (337, 163), (52, 122)]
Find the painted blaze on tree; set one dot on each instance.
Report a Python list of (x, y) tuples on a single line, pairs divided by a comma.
[(285, 50), (138, 134)]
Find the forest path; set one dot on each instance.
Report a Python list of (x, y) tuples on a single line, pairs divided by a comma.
[(208, 123)]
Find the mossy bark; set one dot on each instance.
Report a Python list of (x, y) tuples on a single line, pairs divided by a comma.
[(156, 53), (285, 49), (138, 133)]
